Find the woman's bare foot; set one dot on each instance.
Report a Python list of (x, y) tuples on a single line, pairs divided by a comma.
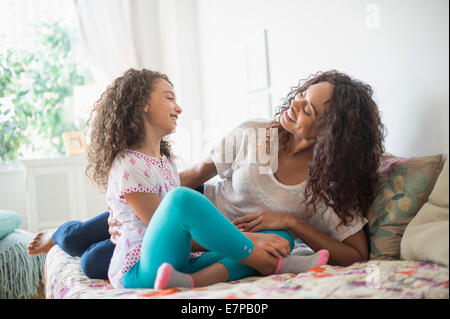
[(41, 243)]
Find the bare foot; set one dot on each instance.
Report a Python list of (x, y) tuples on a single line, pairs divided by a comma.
[(41, 243)]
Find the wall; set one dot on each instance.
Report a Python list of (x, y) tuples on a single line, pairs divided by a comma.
[(13, 194), (13, 191), (177, 22), (403, 54), (399, 47)]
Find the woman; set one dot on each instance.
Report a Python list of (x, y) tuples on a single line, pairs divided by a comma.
[(329, 146), (330, 143)]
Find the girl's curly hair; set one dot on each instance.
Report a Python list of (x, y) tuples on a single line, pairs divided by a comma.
[(117, 121), (347, 153)]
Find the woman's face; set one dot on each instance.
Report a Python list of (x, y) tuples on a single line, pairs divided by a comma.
[(162, 109), (303, 117)]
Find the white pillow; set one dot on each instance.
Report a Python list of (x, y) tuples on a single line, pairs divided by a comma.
[(426, 238)]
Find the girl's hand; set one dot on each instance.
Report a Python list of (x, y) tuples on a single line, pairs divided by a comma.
[(263, 220), (115, 234), (275, 245)]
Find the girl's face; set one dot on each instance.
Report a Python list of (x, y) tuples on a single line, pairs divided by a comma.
[(303, 117), (162, 110)]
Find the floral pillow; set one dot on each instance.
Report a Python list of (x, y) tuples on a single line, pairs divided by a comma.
[(404, 186)]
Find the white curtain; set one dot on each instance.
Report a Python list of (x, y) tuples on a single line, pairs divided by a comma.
[(159, 35), (119, 34)]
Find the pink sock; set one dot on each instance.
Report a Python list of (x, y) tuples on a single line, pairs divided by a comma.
[(323, 257), (280, 263), (168, 277)]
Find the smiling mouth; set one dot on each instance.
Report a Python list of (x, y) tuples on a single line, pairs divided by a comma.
[(175, 117), (288, 116)]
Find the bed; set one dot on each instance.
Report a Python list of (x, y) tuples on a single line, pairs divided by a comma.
[(409, 252), (374, 279)]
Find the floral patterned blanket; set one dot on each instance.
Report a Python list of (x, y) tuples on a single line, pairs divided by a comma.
[(374, 279)]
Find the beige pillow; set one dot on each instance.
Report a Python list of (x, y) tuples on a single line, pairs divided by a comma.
[(426, 238), (404, 186), (439, 195)]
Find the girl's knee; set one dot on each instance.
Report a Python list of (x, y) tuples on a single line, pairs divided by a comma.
[(181, 198), (282, 233), (181, 194)]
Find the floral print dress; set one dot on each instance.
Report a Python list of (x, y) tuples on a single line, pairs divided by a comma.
[(133, 172)]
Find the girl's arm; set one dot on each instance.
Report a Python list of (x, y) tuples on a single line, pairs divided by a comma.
[(143, 204), (198, 174)]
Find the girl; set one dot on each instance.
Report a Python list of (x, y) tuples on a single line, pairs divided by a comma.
[(160, 221)]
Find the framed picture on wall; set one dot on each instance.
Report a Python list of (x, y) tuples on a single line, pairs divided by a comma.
[(74, 143), (257, 63)]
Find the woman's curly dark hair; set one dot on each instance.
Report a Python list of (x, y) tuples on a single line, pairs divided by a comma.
[(347, 153), (117, 121)]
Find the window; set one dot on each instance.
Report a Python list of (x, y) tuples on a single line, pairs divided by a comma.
[(41, 68)]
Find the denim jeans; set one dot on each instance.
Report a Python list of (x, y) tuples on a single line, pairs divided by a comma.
[(89, 240)]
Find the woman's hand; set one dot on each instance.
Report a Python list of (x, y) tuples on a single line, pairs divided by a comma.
[(264, 220), (115, 234), (275, 245)]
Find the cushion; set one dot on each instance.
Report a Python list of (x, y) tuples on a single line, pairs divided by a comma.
[(426, 237), (439, 195), (9, 221), (404, 186)]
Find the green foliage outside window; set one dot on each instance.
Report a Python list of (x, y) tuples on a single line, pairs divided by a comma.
[(34, 85)]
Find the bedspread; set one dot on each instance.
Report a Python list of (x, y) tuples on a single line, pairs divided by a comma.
[(372, 279)]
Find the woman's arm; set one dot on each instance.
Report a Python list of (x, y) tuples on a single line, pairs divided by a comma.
[(353, 249), (198, 174)]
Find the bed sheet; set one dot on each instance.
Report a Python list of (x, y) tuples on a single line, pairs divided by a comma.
[(372, 279)]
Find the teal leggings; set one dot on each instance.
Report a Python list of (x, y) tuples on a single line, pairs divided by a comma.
[(182, 215)]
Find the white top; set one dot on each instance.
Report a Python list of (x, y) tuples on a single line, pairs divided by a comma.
[(249, 184), (132, 171)]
